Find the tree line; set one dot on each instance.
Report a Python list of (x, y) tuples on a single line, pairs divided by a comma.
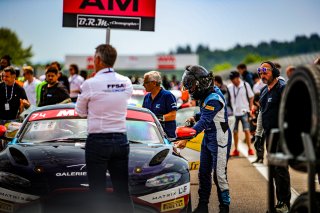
[(223, 59), (211, 59)]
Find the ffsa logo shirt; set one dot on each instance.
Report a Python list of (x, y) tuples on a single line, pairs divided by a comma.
[(103, 100)]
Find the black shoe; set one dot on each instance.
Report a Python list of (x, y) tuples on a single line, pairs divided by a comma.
[(282, 207), (201, 208), (258, 160), (224, 209)]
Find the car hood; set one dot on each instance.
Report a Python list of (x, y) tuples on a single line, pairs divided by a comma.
[(52, 167), (52, 153)]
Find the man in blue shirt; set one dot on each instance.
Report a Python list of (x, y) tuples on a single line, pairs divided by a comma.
[(161, 102), (270, 99)]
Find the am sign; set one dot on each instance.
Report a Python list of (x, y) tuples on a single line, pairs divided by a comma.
[(113, 14)]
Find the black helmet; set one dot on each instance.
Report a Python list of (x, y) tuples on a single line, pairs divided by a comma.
[(198, 81)]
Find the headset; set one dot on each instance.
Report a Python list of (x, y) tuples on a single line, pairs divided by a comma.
[(275, 70)]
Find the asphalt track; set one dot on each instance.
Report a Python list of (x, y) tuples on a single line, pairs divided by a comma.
[(248, 185)]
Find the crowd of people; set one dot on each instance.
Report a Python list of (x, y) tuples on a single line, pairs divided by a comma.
[(252, 98)]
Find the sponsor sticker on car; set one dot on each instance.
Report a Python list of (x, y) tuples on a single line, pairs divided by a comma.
[(194, 165), (168, 194), (172, 205), (17, 197), (6, 207)]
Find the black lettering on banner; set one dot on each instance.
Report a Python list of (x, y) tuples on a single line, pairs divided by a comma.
[(108, 21), (123, 6), (97, 3)]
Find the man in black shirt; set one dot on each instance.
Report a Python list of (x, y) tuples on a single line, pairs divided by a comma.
[(61, 77), (13, 98), (54, 92), (246, 75)]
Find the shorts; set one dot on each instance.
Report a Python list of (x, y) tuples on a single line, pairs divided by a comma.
[(244, 121)]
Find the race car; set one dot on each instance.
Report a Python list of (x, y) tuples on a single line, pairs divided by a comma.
[(138, 94), (44, 164)]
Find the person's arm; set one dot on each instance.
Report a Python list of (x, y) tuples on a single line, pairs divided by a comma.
[(259, 128), (24, 103), (171, 116), (208, 113), (64, 94), (83, 99), (250, 103), (171, 108)]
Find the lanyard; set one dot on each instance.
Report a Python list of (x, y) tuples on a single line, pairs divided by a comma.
[(234, 93), (73, 78), (7, 92)]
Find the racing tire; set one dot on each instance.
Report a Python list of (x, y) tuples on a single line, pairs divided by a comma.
[(301, 204), (299, 112)]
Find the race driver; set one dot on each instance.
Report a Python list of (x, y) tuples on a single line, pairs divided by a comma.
[(216, 144)]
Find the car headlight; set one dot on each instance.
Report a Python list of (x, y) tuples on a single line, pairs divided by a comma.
[(12, 179), (164, 179)]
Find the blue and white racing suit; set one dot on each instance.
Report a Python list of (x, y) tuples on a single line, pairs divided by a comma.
[(215, 148)]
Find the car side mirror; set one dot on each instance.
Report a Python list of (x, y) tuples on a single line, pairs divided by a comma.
[(11, 130), (185, 133), (3, 130)]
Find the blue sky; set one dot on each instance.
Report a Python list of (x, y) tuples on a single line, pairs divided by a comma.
[(220, 24)]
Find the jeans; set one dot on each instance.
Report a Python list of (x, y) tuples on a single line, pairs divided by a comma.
[(244, 120), (108, 151)]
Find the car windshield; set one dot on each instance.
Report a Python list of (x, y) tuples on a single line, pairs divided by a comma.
[(62, 129), (136, 100)]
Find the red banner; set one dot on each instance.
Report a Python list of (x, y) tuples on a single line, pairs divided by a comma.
[(113, 14), (135, 8)]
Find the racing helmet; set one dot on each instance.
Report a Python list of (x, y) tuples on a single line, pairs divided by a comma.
[(198, 81)]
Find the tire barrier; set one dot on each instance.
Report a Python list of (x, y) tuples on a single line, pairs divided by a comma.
[(301, 204), (300, 113)]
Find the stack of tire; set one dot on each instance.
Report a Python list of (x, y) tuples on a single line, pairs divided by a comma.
[(300, 113)]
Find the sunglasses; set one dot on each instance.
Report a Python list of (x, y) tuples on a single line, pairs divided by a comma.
[(263, 70)]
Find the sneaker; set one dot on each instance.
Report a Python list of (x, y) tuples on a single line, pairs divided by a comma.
[(281, 207), (201, 208), (258, 160), (235, 153), (250, 152)]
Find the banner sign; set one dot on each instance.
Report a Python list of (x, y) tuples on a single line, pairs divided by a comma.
[(136, 62), (113, 14)]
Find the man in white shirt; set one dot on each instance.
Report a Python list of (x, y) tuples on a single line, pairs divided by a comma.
[(103, 100), (30, 84), (75, 81), (241, 100)]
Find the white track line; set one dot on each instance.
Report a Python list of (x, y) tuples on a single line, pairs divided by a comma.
[(262, 168)]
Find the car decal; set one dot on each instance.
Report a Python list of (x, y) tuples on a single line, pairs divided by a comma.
[(60, 113), (172, 205), (57, 113), (168, 194), (16, 197), (194, 165), (6, 207)]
